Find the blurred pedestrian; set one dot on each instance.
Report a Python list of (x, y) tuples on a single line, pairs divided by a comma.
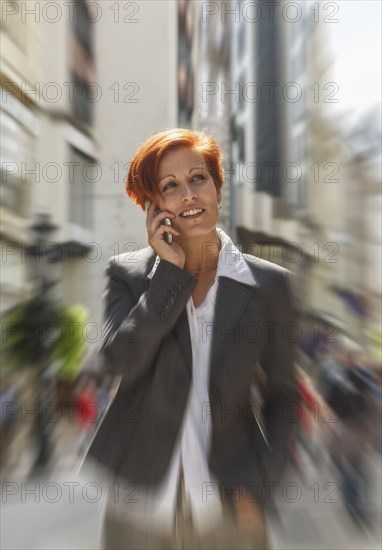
[(349, 396), (87, 410), (9, 399)]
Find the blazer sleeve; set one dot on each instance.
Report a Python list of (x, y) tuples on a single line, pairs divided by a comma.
[(134, 328), (279, 411)]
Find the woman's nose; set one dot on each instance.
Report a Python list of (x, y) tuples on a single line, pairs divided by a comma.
[(189, 192)]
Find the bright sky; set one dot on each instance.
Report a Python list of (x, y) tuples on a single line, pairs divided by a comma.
[(356, 39)]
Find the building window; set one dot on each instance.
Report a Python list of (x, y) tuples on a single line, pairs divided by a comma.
[(241, 143), (185, 73), (17, 158), (82, 65), (269, 114), (83, 24), (83, 96), (241, 41), (81, 182)]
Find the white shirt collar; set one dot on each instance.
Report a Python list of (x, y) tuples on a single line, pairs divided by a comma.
[(231, 262)]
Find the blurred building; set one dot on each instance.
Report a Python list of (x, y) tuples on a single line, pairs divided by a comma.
[(19, 125), (83, 84), (136, 58), (339, 222), (49, 145), (252, 74), (360, 286), (260, 77), (249, 65), (71, 118), (48, 160), (203, 84), (187, 41)]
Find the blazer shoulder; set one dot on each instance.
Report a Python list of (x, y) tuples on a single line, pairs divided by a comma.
[(275, 282), (131, 264), (266, 272)]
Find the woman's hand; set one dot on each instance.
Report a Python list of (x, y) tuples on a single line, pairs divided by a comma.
[(249, 515), (155, 230)]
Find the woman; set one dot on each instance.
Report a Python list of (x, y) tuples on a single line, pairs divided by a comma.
[(187, 325)]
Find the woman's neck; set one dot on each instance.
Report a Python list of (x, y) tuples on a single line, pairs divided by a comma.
[(202, 253)]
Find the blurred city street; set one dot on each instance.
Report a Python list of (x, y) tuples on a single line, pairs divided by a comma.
[(326, 524), (62, 510)]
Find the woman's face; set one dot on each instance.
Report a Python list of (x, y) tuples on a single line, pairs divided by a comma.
[(186, 186)]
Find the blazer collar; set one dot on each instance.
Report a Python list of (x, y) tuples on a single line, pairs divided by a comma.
[(231, 262)]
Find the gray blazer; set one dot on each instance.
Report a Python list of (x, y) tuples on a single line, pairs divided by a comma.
[(146, 339)]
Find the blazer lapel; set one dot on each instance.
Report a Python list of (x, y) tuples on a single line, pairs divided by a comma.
[(231, 300)]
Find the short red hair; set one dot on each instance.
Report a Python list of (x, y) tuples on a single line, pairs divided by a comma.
[(142, 185)]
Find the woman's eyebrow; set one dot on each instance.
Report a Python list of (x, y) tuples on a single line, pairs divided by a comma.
[(168, 176), (172, 175)]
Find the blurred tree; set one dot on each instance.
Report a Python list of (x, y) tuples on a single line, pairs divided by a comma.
[(40, 330)]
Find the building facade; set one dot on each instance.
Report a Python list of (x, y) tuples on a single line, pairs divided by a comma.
[(82, 87)]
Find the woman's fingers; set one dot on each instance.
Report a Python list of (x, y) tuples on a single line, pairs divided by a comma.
[(170, 252), (159, 232), (156, 237), (150, 214), (165, 214), (168, 229), (155, 220), (155, 227)]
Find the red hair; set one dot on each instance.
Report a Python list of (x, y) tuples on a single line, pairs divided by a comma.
[(142, 184)]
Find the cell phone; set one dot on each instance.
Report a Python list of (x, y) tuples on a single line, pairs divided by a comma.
[(165, 221)]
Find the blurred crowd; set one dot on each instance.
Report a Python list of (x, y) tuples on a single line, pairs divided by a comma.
[(337, 422), (339, 418)]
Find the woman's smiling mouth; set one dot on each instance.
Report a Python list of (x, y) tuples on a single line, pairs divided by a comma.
[(192, 213)]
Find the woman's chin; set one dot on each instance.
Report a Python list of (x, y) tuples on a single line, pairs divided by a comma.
[(195, 231)]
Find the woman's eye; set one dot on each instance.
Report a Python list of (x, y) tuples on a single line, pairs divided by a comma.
[(199, 177), (168, 185)]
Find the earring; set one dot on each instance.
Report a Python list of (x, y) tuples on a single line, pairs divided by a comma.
[(219, 205)]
